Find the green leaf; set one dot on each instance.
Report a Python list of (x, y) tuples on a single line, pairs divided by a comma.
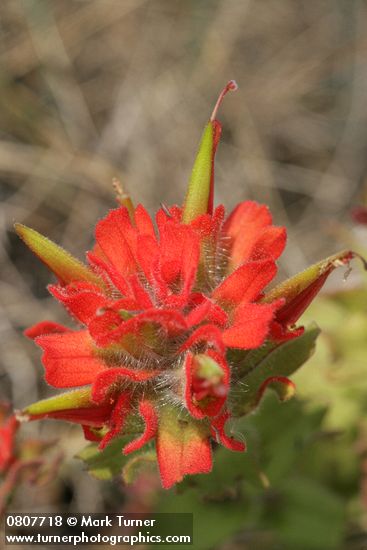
[(311, 517), (284, 360), (138, 463), (245, 361), (105, 464)]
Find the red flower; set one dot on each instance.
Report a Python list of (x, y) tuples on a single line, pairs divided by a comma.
[(160, 307), (8, 429), (359, 215), (20, 461)]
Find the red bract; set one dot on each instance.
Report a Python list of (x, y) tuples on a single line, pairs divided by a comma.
[(158, 325), (160, 306)]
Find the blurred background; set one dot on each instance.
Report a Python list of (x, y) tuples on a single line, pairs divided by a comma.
[(96, 89)]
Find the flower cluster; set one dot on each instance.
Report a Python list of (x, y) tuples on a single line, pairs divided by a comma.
[(20, 460), (8, 429), (166, 312)]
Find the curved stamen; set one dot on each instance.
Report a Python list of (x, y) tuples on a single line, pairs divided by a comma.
[(231, 86)]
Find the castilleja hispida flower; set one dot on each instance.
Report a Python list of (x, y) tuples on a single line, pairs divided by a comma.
[(21, 461), (8, 429), (168, 313)]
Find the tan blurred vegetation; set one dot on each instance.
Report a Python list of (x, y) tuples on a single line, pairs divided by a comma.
[(102, 88)]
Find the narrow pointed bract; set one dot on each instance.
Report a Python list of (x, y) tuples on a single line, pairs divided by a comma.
[(299, 291), (64, 265), (200, 193)]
